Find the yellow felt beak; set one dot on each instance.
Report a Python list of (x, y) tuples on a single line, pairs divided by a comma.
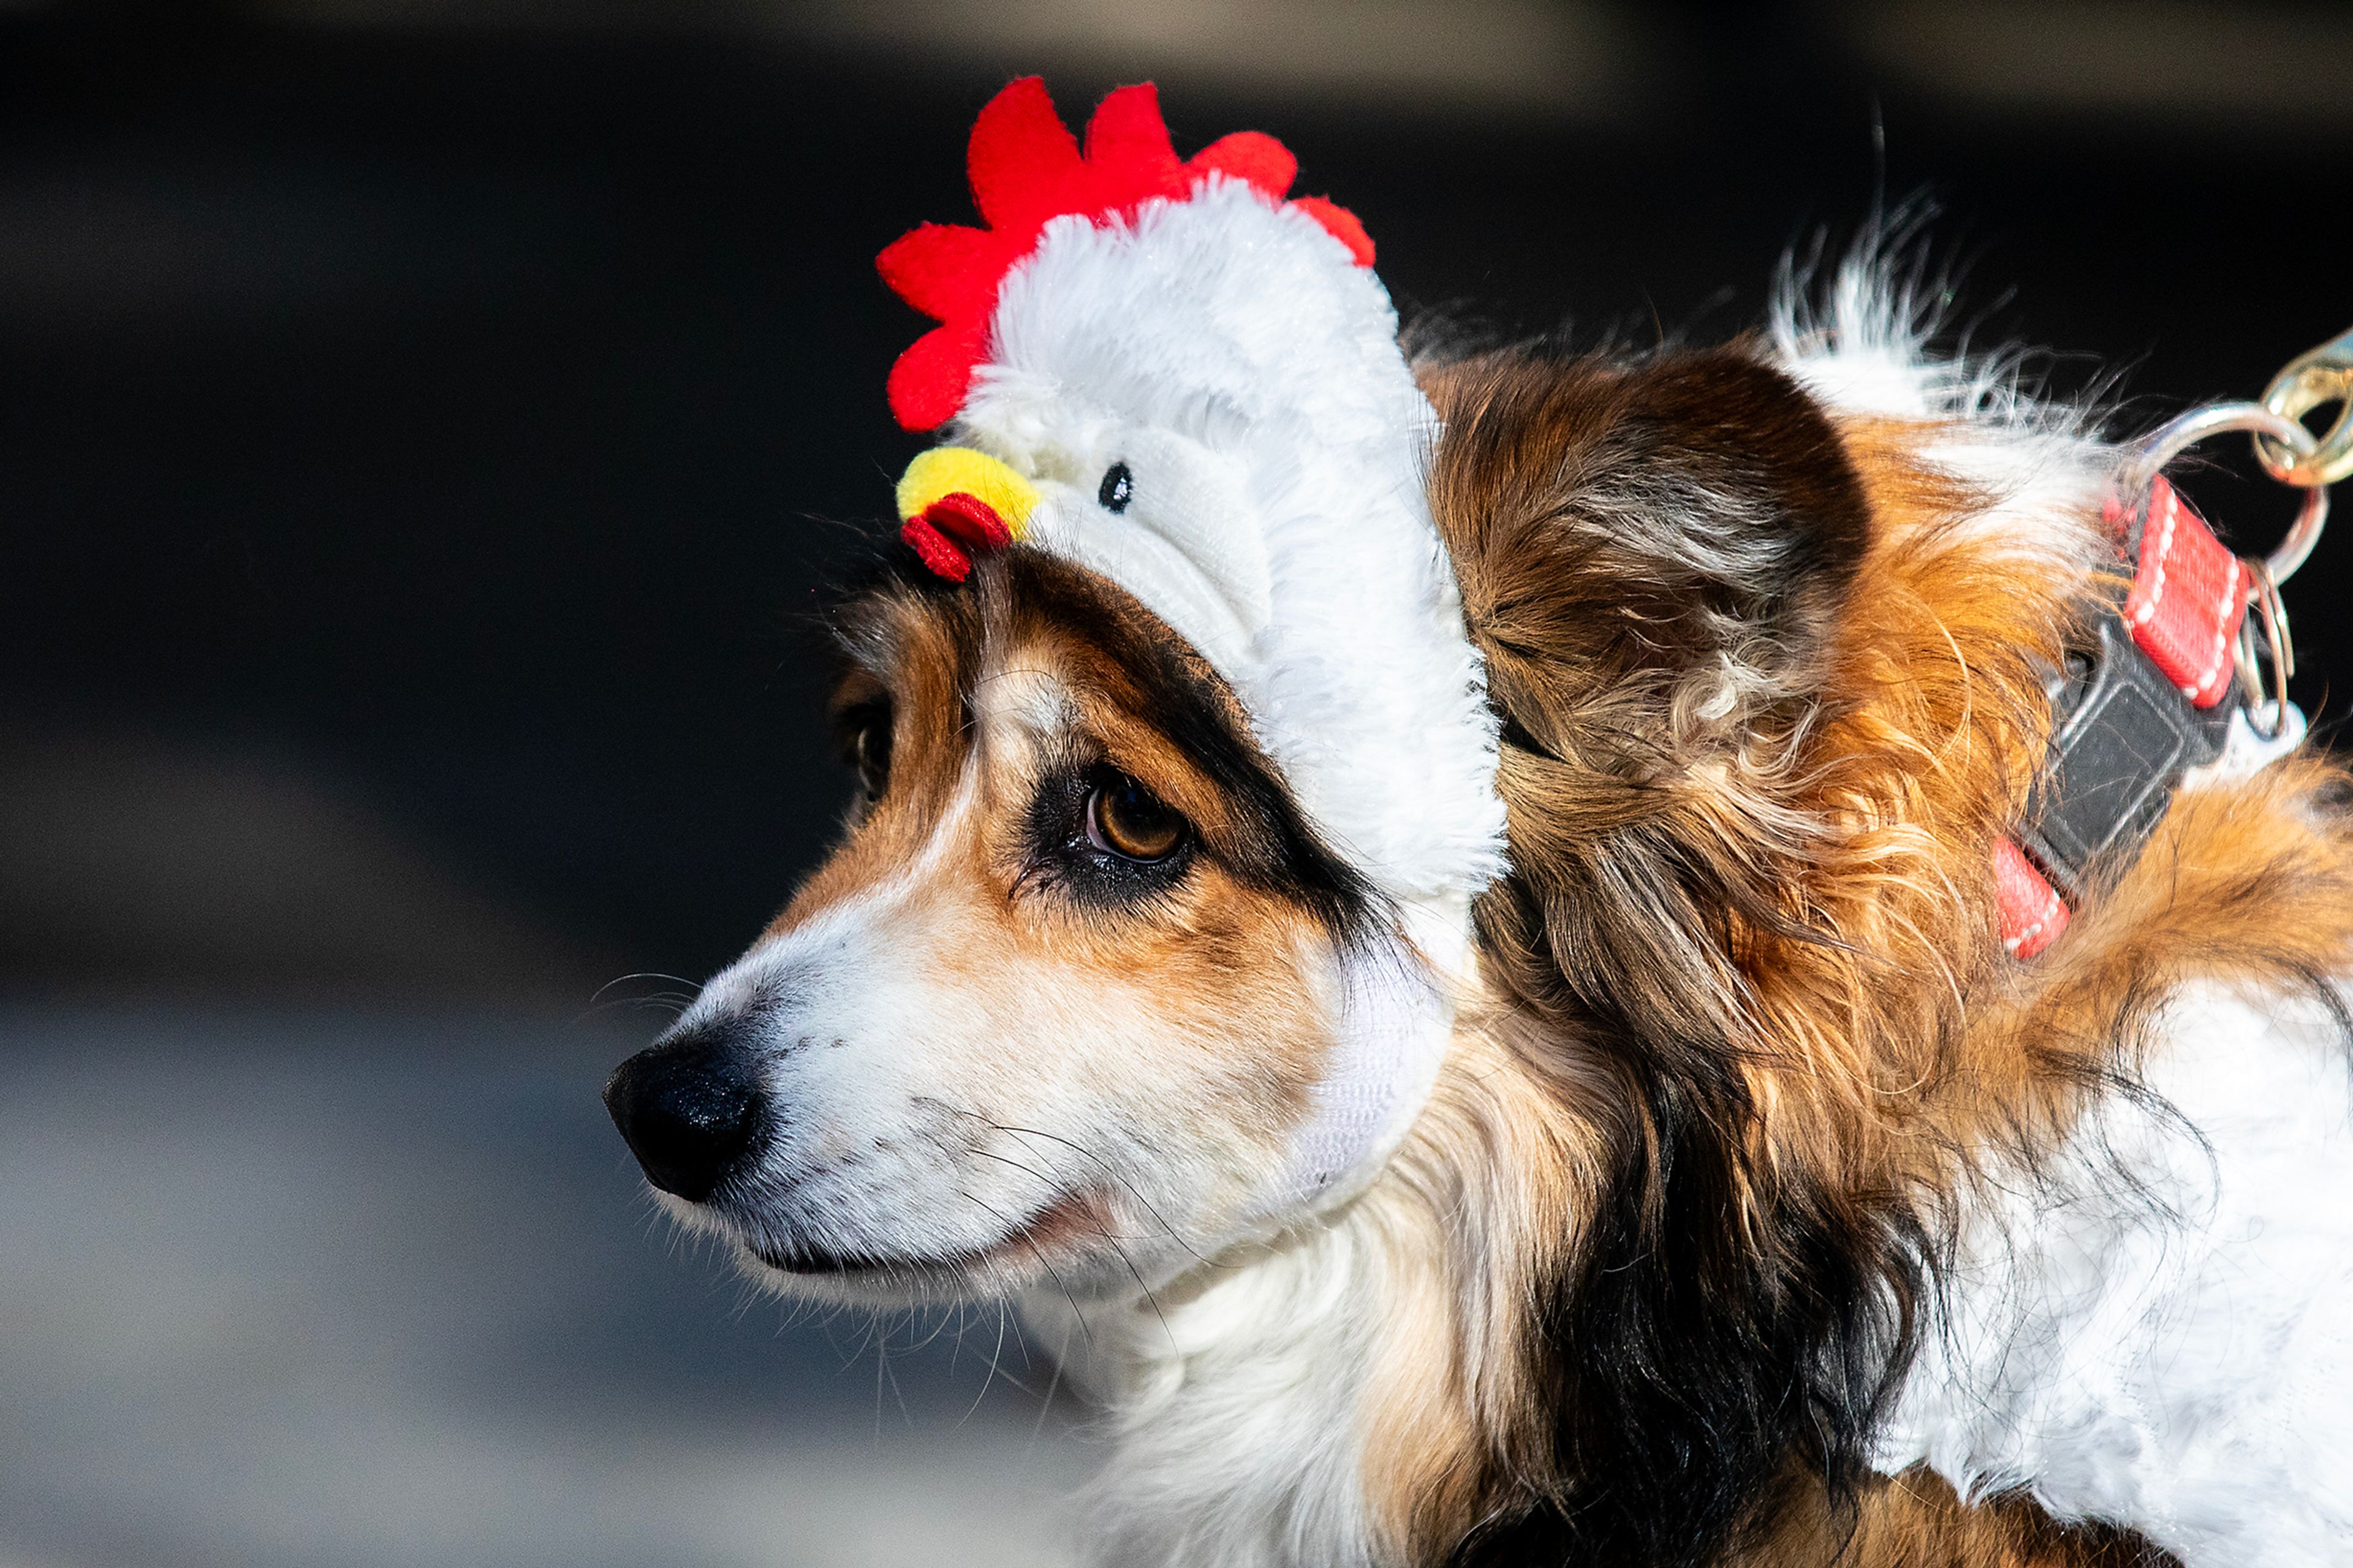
[(945, 471)]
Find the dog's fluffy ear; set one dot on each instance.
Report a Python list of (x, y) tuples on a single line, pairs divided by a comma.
[(1653, 555), (1656, 559), (1650, 554)]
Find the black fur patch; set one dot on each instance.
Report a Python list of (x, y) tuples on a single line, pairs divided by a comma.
[(1693, 1368)]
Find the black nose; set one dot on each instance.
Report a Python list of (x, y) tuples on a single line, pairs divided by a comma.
[(688, 1108)]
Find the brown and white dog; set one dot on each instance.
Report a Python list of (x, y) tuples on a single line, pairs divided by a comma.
[(1760, 1204)]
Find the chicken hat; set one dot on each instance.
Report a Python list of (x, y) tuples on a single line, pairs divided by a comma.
[(1167, 372)]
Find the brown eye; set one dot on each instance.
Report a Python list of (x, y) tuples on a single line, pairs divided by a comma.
[(1125, 819)]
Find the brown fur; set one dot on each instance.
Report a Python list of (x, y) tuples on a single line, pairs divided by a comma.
[(1915, 1520), (1794, 881)]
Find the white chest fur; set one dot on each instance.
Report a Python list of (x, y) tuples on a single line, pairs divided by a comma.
[(1232, 1401), (2158, 1330)]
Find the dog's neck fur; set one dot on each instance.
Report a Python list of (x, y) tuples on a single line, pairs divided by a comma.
[(1328, 1398)]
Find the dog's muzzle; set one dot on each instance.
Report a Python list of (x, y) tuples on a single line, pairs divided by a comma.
[(689, 1108)]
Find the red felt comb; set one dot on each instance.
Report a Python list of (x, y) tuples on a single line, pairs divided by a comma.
[(1027, 169)]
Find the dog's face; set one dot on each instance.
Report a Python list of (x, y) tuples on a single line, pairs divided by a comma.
[(1051, 1011)]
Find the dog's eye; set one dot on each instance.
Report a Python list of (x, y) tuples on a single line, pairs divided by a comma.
[(866, 745), (1125, 819), (1118, 488)]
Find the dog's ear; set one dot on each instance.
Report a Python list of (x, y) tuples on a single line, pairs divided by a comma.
[(1650, 554), (1656, 559), (1652, 557)]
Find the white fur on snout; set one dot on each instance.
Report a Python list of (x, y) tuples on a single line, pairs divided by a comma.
[(922, 1115), (868, 1151)]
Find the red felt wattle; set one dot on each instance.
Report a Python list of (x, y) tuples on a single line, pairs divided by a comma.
[(969, 520), (1027, 169), (934, 549)]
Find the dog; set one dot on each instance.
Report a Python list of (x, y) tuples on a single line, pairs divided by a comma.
[(1490, 943)]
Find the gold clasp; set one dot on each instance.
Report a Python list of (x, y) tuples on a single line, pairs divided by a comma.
[(2324, 375), (2292, 454)]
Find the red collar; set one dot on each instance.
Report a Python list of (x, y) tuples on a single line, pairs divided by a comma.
[(2130, 715)]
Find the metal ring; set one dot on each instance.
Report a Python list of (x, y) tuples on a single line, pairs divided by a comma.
[(2324, 375), (2170, 440), (2264, 599)]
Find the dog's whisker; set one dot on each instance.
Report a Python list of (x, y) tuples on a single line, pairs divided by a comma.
[(994, 1356), (1043, 1261), (1105, 1167)]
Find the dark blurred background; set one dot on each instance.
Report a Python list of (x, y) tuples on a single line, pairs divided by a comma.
[(424, 426)]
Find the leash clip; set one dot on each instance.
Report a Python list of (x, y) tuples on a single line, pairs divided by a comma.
[(2323, 376)]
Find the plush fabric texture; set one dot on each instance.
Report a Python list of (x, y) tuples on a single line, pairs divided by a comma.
[(1275, 439), (1027, 170), (1235, 354)]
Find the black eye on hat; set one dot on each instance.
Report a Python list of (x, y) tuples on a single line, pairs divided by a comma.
[(1118, 488)]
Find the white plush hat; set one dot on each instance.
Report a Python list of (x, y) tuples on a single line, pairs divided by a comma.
[(1168, 372)]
